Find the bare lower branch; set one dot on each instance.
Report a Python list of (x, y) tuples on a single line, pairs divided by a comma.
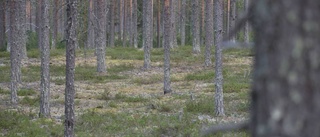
[(226, 128)]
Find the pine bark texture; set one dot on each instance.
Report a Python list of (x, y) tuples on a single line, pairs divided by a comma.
[(173, 9), (209, 32), (232, 18), (16, 34), (2, 24), (45, 60), (147, 31), (219, 107), (286, 84), (101, 37), (195, 27), (135, 23), (22, 25), (167, 46), (71, 34), (55, 9), (112, 29), (246, 27), (90, 35), (183, 22)]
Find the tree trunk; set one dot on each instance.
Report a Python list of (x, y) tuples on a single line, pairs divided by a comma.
[(147, 31), (183, 22), (71, 34), (209, 32), (232, 18), (54, 24), (173, 22), (38, 22), (101, 37), (195, 27), (90, 35), (167, 46), (2, 24), (112, 11), (134, 23), (158, 23), (286, 83), (22, 25), (15, 50), (219, 107), (124, 37), (121, 3), (45, 60), (202, 23), (130, 31), (28, 14), (246, 28)]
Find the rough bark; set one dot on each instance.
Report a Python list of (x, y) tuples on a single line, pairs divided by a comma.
[(2, 24), (112, 29), (246, 27), (16, 46), (286, 84), (209, 32), (183, 22), (232, 18), (101, 37), (167, 46), (45, 60), (147, 31), (173, 23), (22, 24), (135, 23), (71, 34), (54, 24), (195, 27), (90, 35), (219, 107)]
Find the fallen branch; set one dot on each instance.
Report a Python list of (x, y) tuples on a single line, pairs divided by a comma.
[(226, 128)]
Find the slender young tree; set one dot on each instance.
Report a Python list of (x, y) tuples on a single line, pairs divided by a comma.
[(219, 107), (135, 23), (167, 43), (209, 32), (195, 27), (90, 35), (2, 24), (45, 60), (183, 22), (72, 21), (147, 31), (101, 37)]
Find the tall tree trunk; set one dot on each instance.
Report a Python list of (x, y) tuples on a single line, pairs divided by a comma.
[(226, 18), (28, 14), (232, 18), (16, 46), (45, 59), (286, 83), (101, 37), (38, 22), (121, 4), (130, 31), (173, 22), (167, 43), (134, 23), (183, 22), (158, 23), (124, 37), (246, 28), (91, 19), (147, 31), (112, 11), (219, 107), (7, 14), (202, 23), (2, 24), (54, 24), (195, 27), (71, 34), (209, 32), (22, 25)]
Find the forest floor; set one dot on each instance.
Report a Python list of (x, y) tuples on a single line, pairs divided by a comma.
[(127, 100)]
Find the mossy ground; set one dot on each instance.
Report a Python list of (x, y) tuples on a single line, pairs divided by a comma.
[(128, 101)]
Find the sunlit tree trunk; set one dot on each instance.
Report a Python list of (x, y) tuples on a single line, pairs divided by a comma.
[(167, 43), (147, 31), (195, 27), (45, 60), (209, 31), (219, 107), (101, 36), (71, 34)]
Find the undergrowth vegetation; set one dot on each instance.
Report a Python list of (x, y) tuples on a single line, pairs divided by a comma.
[(128, 101)]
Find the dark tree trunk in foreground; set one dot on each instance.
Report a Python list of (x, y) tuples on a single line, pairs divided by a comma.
[(219, 107), (147, 31), (209, 32), (15, 50), (2, 24), (101, 37), (72, 22), (45, 59), (286, 84), (195, 27), (167, 46)]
